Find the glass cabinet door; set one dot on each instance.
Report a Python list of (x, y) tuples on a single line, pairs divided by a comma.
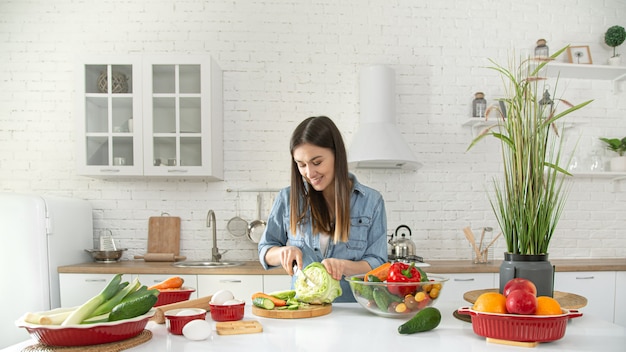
[(178, 133), (109, 144)]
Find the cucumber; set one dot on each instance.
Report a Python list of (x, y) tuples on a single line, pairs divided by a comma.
[(363, 290), (264, 303), (134, 307), (425, 320), (381, 298)]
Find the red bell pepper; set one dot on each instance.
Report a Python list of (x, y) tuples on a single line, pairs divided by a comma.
[(402, 272)]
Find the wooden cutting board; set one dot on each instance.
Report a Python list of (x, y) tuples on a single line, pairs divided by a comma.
[(164, 234), (313, 310), (238, 327), (566, 300)]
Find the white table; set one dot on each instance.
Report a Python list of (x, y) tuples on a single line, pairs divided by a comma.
[(350, 328)]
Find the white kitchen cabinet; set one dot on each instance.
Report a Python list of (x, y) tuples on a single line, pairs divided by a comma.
[(77, 289), (620, 300), (459, 283), (157, 116), (183, 100), (598, 287), (242, 286), (108, 110), (152, 279), (273, 283)]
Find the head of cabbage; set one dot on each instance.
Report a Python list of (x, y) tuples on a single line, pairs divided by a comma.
[(323, 289)]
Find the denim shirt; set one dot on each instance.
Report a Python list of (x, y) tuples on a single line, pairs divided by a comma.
[(367, 240)]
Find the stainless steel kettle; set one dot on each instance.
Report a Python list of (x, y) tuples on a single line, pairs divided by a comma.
[(403, 246)]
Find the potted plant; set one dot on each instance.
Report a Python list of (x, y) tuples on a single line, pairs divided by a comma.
[(529, 199), (618, 146), (614, 37)]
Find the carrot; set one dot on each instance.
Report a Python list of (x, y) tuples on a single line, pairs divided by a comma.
[(380, 272), (277, 301), (169, 283)]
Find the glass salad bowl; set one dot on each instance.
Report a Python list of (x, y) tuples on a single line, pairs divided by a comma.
[(396, 299)]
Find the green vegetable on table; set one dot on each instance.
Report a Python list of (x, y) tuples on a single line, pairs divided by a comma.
[(324, 288), (425, 320)]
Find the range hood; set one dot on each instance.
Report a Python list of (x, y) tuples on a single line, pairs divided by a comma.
[(378, 143)]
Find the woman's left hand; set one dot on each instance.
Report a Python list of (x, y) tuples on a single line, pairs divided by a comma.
[(335, 267)]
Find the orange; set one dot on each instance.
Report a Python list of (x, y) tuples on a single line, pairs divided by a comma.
[(547, 306), (490, 302)]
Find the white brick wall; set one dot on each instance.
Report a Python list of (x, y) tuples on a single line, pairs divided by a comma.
[(287, 60)]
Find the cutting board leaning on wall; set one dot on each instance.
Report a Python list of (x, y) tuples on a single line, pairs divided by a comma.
[(164, 234)]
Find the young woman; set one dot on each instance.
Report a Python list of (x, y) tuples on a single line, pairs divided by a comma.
[(326, 215)]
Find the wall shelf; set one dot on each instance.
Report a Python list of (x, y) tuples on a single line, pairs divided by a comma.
[(585, 71)]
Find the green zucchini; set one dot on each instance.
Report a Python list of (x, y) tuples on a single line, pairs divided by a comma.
[(134, 307)]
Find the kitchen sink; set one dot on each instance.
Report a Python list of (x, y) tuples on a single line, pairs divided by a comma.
[(207, 264)]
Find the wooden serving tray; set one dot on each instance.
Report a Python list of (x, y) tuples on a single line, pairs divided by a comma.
[(238, 327), (313, 310), (565, 299)]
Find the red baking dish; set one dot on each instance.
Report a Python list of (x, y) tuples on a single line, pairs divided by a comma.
[(522, 328), (86, 334), (174, 295)]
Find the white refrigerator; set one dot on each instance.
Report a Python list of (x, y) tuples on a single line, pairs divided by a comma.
[(38, 234)]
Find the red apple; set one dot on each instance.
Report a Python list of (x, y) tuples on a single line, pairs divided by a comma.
[(519, 283), (521, 302)]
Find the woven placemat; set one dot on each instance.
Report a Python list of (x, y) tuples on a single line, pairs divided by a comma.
[(565, 299), (117, 346)]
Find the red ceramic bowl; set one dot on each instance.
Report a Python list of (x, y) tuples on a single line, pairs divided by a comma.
[(174, 295), (86, 334), (522, 328), (227, 312), (175, 323)]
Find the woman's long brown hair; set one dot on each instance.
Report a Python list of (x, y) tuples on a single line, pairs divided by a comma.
[(321, 131)]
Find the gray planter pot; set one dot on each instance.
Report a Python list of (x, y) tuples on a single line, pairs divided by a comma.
[(535, 268)]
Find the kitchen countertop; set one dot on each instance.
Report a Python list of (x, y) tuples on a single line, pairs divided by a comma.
[(255, 268), (350, 328)]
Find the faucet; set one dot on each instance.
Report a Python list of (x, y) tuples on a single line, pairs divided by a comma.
[(210, 221)]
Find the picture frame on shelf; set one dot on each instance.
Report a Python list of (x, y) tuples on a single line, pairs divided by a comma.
[(579, 55)]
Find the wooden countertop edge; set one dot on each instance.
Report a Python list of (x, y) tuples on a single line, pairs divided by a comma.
[(255, 268)]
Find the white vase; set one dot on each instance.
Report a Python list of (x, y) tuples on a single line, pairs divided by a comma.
[(618, 163), (615, 60)]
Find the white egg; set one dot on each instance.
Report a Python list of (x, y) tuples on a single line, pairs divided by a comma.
[(221, 296), (187, 312), (231, 302), (197, 330)]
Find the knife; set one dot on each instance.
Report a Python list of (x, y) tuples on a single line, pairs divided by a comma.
[(308, 280)]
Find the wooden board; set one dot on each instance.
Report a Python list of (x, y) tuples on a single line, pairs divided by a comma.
[(313, 310), (512, 343), (238, 327), (164, 235), (565, 299)]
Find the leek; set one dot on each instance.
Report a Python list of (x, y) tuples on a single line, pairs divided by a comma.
[(107, 306), (84, 311)]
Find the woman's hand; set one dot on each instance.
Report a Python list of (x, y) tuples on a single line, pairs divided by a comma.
[(337, 268), (286, 256)]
